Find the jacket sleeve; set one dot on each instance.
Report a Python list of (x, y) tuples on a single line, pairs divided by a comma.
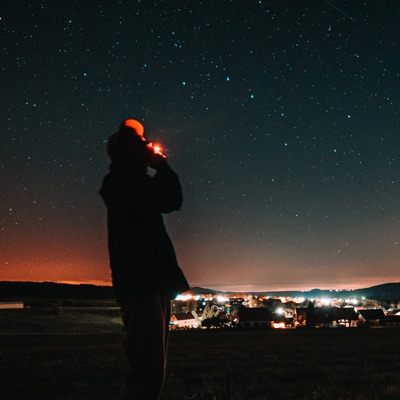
[(168, 190)]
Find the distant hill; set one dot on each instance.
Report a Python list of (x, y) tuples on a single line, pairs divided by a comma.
[(388, 292)]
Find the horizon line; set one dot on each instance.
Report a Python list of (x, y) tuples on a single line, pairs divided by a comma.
[(243, 289)]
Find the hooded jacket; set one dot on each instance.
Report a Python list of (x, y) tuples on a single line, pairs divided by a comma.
[(142, 256)]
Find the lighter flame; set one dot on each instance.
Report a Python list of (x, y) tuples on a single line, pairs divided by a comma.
[(157, 149)]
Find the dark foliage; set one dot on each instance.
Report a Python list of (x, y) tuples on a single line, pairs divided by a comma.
[(51, 290)]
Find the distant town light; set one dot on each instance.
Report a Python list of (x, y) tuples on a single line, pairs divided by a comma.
[(184, 297), (325, 301)]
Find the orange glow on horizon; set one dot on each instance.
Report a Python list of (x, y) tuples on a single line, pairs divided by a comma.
[(52, 270), (90, 282), (67, 282)]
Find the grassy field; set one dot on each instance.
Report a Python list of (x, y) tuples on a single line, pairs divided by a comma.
[(63, 353)]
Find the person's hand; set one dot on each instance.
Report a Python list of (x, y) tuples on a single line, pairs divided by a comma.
[(156, 160)]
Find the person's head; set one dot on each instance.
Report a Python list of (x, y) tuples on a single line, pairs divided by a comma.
[(128, 143)]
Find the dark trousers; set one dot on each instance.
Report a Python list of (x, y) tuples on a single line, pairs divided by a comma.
[(146, 320)]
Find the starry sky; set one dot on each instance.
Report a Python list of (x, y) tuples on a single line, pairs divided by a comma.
[(280, 117)]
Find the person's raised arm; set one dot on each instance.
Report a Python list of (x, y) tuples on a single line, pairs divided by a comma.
[(167, 187)]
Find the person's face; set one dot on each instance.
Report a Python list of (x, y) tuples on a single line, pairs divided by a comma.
[(137, 149)]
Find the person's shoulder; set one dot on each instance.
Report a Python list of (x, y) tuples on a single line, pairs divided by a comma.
[(166, 169), (106, 178)]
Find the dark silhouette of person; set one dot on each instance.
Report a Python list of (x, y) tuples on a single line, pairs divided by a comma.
[(145, 272), (310, 315)]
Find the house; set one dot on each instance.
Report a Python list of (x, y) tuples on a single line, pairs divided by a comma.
[(347, 317), (325, 316), (371, 316), (259, 317), (392, 320), (301, 316), (280, 321), (329, 317), (184, 320), (393, 316)]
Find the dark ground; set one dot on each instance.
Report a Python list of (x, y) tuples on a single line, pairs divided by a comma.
[(75, 353)]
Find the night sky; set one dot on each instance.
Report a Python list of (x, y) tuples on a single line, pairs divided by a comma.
[(280, 117)]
